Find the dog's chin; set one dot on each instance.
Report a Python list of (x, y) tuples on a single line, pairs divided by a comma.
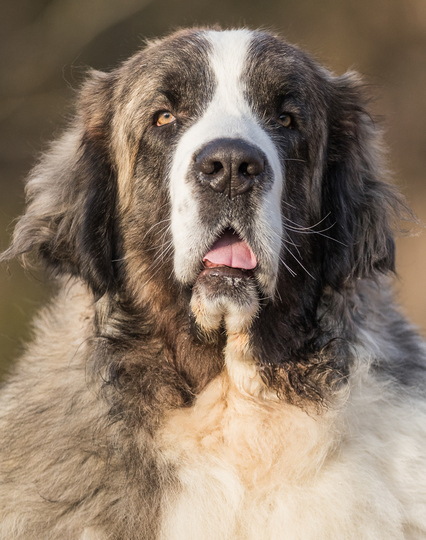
[(226, 296)]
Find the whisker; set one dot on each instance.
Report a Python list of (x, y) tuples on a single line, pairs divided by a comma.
[(158, 246), (157, 265), (320, 233), (297, 260), (277, 292), (290, 205), (289, 240), (164, 241), (160, 259), (307, 230), (292, 272), (299, 227), (153, 227), (130, 255)]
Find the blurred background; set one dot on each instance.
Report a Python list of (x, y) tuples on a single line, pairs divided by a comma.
[(46, 46)]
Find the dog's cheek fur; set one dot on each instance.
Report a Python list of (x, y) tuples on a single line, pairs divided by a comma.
[(301, 349), (71, 194)]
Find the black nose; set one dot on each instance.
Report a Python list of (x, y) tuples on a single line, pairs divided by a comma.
[(229, 166)]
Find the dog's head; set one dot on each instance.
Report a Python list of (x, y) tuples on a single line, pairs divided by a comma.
[(225, 171)]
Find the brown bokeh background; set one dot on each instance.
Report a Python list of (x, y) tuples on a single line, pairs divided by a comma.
[(46, 46)]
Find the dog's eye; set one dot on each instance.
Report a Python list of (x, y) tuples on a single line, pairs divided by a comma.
[(285, 120), (164, 118)]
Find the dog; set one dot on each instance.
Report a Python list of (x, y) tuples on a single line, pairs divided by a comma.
[(223, 358)]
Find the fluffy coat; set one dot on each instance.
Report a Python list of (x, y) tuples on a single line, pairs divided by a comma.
[(165, 399)]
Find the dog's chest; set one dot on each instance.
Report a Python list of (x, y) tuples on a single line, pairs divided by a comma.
[(233, 454), (245, 435), (251, 469)]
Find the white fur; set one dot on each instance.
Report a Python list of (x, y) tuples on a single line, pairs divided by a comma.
[(237, 316), (91, 533), (228, 115), (254, 469)]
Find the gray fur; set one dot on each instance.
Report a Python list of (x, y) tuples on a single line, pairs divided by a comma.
[(107, 428)]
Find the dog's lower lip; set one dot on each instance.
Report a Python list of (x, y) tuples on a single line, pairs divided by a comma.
[(225, 271), (208, 264)]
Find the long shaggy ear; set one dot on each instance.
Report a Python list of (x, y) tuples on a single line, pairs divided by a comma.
[(69, 220), (361, 209)]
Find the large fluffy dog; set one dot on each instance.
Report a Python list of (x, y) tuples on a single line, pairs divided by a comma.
[(223, 359)]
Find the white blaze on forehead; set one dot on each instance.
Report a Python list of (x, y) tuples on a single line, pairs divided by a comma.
[(228, 115), (228, 59)]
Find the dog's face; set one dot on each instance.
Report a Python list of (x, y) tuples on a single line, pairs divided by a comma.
[(235, 129), (225, 172)]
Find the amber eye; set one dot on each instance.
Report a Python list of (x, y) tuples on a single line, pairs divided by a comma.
[(285, 120), (165, 118)]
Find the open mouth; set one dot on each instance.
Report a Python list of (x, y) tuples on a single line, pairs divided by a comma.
[(226, 291), (230, 256)]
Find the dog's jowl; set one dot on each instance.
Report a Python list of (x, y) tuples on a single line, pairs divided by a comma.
[(223, 358)]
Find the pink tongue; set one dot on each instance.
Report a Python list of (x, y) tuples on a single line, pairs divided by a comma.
[(230, 250)]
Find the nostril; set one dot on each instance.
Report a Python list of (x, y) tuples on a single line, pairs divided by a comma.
[(208, 166), (243, 169), (251, 168), (217, 166)]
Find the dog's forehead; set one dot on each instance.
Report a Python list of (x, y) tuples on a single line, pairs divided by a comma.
[(260, 58)]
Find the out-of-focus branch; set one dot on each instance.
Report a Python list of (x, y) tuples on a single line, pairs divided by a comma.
[(64, 27)]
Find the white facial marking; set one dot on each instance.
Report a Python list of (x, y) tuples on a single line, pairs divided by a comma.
[(228, 115)]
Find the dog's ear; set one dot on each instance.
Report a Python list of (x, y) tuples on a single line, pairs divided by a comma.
[(361, 208), (70, 214)]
